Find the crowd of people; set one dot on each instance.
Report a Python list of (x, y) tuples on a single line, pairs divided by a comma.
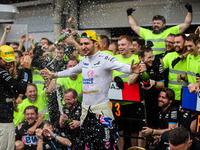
[(55, 95)]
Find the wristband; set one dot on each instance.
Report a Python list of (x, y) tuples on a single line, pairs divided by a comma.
[(153, 132), (55, 136), (155, 83)]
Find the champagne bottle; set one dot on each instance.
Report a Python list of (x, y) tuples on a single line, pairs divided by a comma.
[(145, 79), (69, 120), (63, 36)]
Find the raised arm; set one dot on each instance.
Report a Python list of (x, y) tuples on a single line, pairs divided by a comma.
[(31, 40), (188, 18), (3, 38), (132, 21), (22, 40)]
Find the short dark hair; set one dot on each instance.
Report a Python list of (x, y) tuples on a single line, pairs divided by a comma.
[(139, 40), (105, 38), (31, 107), (169, 93), (73, 91), (179, 136), (197, 41), (159, 17), (19, 53), (32, 84), (143, 49), (74, 59), (45, 39), (182, 35), (192, 37), (46, 122), (15, 43)]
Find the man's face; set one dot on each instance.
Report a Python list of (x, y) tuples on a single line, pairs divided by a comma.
[(6, 65), (190, 46), (71, 63), (59, 54), (31, 116), (46, 129), (112, 48), (148, 58), (43, 42), (184, 146), (169, 43), (135, 47), (88, 47), (198, 46), (179, 44), (31, 93), (157, 26), (69, 100), (15, 47), (163, 100), (124, 46)]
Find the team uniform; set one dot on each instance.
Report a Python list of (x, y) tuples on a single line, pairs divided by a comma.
[(53, 144), (75, 114), (192, 70), (9, 86), (170, 116), (129, 109), (77, 84), (30, 141), (151, 96), (158, 39), (97, 73), (179, 68), (41, 103)]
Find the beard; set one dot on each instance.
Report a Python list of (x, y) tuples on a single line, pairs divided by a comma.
[(160, 30)]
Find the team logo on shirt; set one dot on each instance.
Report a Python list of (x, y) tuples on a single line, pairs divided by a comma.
[(85, 64), (30, 140)]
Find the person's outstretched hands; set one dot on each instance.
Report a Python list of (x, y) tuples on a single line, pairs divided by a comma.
[(130, 11), (188, 6)]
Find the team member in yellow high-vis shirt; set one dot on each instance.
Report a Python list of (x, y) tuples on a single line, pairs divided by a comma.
[(179, 68), (159, 32), (35, 98), (128, 108)]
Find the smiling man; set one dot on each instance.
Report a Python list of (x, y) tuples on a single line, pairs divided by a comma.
[(159, 32), (168, 114), (9, 87), (96, 68), (23, 139), (72, 110), (175, 70), (33, 98)]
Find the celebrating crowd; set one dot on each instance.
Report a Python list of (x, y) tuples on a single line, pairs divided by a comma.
[(55, 95)]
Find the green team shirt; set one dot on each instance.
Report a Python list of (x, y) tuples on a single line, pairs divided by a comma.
[(123, 76), (108, 52), (158, 39), (41, 103), (179, 68), (126, 61), (77, 84), (37, 79), (193, 65)]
